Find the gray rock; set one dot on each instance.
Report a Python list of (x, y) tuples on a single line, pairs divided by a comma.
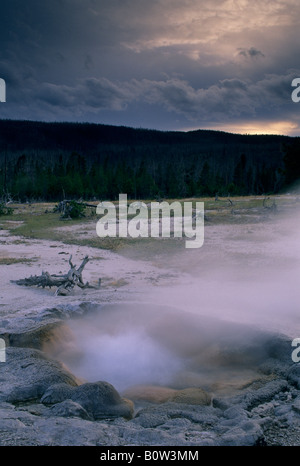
[(225, 424), (235, 412), (35, 318), (296, 405), (27, 373), (37, 409), (278, 347), (175, 432), (191, 396), (283, 410), (162, 437), (148, 419), (252, 398), (177, 425), (39, 326), (60, 411), (56, 393), (35, 337), (221, 403), (293, 375), (157, 415), (18, 428), (274, 366), (69, 408), (267, 422), (249, 433), (101, 400), (265, 409)]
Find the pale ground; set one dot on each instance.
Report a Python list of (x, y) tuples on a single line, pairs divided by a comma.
[(120, 277), (246, 272)]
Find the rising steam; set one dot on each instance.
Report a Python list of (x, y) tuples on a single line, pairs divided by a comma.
[(215, 322)]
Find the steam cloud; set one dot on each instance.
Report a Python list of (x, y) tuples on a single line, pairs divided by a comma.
[(234, 294)]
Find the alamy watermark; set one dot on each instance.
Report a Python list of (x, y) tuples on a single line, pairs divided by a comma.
[(2, 90), (155, 219), (296, 351), (2, 350), (296, 92)]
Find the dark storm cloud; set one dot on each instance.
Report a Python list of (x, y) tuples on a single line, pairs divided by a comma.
[(250, 53), (89, 94), (196, 61), (228, 98)]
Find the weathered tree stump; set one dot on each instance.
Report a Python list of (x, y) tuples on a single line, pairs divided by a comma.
[(64, 283)]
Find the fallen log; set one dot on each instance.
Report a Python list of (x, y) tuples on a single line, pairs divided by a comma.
[(64, 283)]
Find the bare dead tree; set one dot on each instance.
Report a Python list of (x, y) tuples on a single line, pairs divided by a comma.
[(6, 198), (64, 283)]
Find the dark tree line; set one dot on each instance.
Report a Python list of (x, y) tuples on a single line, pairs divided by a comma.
[(292, 162), (52, 161)]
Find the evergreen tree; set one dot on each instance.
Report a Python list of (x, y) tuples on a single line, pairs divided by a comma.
[(239, 176), (292, 162), (204, 184)]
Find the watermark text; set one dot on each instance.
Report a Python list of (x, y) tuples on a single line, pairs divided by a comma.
[(2, 90), (296, 92), (156, 219), (2, 350), (296, 351)]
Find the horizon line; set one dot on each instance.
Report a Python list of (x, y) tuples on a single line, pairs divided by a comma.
[(187, 131)]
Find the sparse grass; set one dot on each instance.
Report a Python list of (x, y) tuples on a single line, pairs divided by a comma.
[(38, 221), (117, 283), (16, 260)]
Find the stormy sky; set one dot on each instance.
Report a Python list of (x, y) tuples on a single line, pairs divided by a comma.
[(163, 64)]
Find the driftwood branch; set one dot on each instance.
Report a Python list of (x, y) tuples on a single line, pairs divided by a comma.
[(64, 283)]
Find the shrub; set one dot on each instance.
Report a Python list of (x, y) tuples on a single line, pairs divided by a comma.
[(70, 209), (5, 210)]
